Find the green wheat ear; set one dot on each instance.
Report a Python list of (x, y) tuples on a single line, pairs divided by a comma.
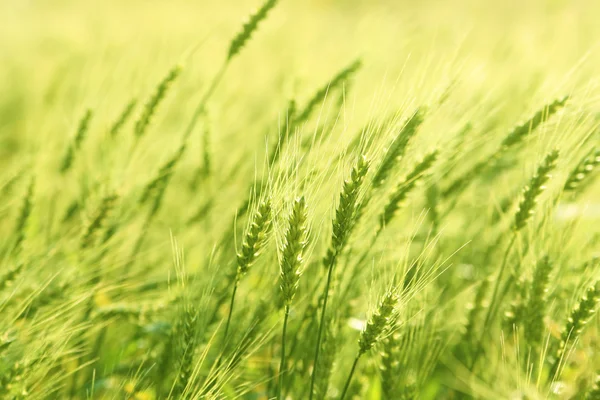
[(238, 43), (398, 147), (154, 101), (75, 145), (521, 131), (123, 118), (256, 237), (404, 188), (97, 221), (296, 239), (579, 317), (583, 171), (158, 184), (338, 80), (378, 323), (346, 212), (536, 308), (533, 190)]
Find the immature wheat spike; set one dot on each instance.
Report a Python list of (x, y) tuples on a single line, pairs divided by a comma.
[(333, 84), (26, 207), (404, 188), (292, 251), (377, 326), (533, 190), (398, 147), (536, 307), (579, 317), (519, 132), (156, 186), (123, 117), (154, 101), (255, 238), (594, 393), (187, 349), (90, 232), (75, 145), (378, 323), (582, 171), (346, 212), (248, 28)]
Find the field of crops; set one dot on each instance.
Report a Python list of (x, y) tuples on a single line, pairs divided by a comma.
[(316, 199)]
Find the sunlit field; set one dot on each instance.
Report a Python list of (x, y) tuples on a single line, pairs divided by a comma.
[(317, 199)]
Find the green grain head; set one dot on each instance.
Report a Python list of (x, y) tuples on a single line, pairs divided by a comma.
[(292, 258), (154, 101), (240, 40), (398, 147), (255, 238), (533, 190), (583, 171), (378, 323)]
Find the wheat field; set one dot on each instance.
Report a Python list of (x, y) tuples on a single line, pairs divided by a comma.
[(316, 199)]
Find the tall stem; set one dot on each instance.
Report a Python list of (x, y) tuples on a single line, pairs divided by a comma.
[(201, 107), (230, 310), (318, 347), (347, 385), (282, 363), (491, 310)]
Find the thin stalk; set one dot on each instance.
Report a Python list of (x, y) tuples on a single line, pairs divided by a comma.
[(347, 385), (321, 324), (201, 107), (230, 310), (282, 363), (491, 309)]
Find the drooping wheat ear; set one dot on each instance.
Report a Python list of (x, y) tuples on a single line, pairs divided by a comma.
[(346, 212), (240, 40), (158, 184), (123, 118), (594, 392), (75, 145), (26, 207), (187, 349), (97, 221), (583, 171), (151, 106), (377, 326), (255, 238), (536, 307), (398, 147), (520, 132), (292, 258), (404, 188), (532, 191), (10, 276), (337, 81), (579, 317)]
